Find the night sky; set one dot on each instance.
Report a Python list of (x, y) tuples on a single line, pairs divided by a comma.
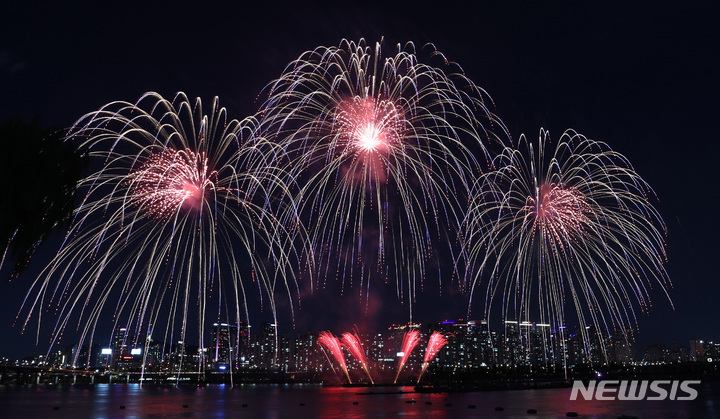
[(642, 79)]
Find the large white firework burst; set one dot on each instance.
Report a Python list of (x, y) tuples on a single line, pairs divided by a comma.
[(176, 225), (564, 233), (383, 150)]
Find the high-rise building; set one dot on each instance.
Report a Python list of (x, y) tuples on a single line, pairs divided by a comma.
[(303, 353), (511, 346), (623, 347), (654, 354), (118, 345), (263, 351), (697, 350), (223, 353)]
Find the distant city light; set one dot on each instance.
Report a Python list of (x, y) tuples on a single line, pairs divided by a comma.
[(467, 347)]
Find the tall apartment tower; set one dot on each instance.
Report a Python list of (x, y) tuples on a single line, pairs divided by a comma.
[(224, 344)]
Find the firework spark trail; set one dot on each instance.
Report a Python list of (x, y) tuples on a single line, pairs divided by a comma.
[(385, 148), (332, 344), (435, 343), (574, 223), (410, 340), (353, 344), (179, 202)]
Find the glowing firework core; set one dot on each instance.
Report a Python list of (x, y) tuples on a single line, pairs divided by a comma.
[(169, 180), (369, 138), (558, 211), (369, 125)]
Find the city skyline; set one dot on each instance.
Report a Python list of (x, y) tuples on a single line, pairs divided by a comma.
[(612, 89), (471, 354), (531, 345)]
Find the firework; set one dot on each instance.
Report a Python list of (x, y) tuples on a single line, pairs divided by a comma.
[(352, 343), (435, 343), (170, 180), (410, 341), (332, 344), (176, 222), (569, 223), (384, 149)]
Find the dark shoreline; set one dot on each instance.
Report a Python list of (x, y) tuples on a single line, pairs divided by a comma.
[(436, 381)]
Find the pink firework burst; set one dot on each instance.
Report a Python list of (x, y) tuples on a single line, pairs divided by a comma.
[(170, 180), (353, 344), (384, 144), (410, 341), (330, 342), (178, 216), (565, 229), (369, 125), (558, 211)]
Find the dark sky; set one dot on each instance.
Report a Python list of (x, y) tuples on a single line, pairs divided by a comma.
[(641, 78)]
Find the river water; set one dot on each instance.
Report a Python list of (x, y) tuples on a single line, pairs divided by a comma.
[(312, 401)]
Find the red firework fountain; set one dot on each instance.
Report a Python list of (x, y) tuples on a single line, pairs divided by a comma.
[(410, 341), (352, 343), (436, 342), (332, 344)]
